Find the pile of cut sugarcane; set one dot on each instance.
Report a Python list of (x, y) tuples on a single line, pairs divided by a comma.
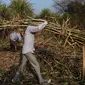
[(70, 35), (19, 23)]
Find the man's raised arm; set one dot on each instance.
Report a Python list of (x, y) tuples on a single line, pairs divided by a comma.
[(37, 28)]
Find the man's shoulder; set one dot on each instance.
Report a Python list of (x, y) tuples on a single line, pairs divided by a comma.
[(28, 27)]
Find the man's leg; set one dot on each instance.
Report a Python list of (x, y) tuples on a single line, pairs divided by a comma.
[(20, 69), (13, 45), (32, 59)]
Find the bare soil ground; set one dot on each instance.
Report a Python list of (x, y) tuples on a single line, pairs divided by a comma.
[(9, 62)]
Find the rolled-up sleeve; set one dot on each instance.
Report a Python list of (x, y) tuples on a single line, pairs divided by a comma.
[(37, 28)]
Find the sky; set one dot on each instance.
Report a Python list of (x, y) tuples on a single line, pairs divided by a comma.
[(38, 5)]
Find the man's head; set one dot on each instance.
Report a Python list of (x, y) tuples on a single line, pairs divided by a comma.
[(21, 31)]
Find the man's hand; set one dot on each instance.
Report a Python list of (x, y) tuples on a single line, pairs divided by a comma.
[(46, 22)]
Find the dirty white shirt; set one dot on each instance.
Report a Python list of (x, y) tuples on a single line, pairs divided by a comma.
[(15, 36), (29, 37)]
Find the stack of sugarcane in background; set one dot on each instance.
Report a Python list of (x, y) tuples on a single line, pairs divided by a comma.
[(70, 35)]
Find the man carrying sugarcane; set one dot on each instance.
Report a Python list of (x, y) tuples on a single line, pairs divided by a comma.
[(28, 52), (16, 37)]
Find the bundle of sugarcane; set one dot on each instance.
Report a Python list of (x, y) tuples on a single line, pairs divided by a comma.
[(20, 23), (71, 35)]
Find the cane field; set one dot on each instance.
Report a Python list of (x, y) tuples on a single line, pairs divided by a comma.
[(60, 46)]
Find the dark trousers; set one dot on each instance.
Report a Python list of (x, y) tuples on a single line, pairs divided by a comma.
[(13, 45)]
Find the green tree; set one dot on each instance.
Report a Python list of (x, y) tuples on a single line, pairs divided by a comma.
[(5, 12), (77, 12), (49, 15), (21, 8), (61, 5), (73, 8), (45, 13)]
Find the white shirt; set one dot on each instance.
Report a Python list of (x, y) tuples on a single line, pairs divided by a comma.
[(15, 36), (29, 37)]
